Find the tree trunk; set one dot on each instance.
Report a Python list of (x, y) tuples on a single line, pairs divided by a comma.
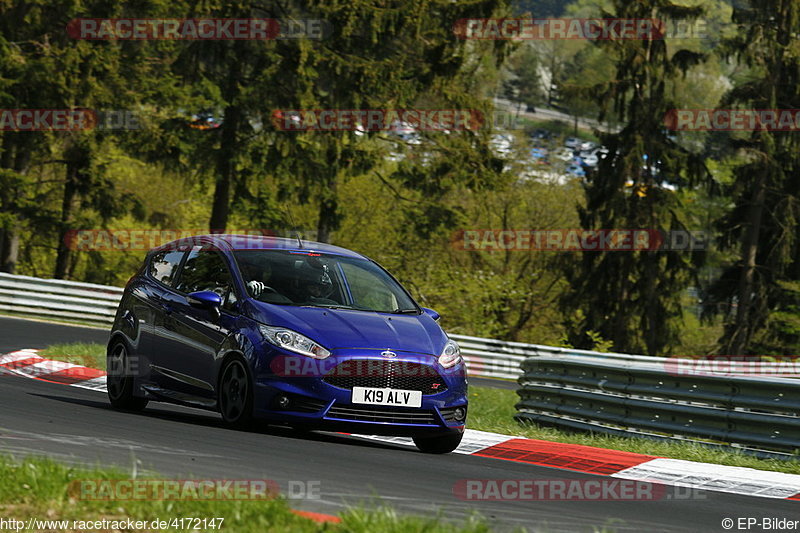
[(9, 253), (226, 157), (16, 156), (740, 337), (220, 209), (328, 212), (67, 206)]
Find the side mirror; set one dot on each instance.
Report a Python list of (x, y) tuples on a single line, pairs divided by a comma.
[(431, 313), (209, 300)]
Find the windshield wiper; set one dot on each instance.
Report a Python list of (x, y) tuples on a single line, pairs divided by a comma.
[(405, 312)]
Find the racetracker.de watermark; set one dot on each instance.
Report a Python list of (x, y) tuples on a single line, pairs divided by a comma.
[(734, 365), (197, 29), (578, 240), (376, 119), (125, 240), (189, 489), (733, 119), (570, 490), (591, 29), (68, 119), (418, 367)]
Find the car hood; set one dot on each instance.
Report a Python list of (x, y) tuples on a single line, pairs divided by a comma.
[(342, 328)]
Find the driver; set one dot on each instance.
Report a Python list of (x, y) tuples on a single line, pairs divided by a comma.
[(314, 282), (258, 271)]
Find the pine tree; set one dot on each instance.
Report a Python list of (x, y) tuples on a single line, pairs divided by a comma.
[(633, 298), (759, 293), (377, 57)]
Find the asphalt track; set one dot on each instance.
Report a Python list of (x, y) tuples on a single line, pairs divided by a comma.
[(78, 427)]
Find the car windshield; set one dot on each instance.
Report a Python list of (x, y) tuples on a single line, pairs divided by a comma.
[(321, 280)]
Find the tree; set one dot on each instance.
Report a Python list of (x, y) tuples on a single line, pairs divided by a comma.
[(524, 81), (632, 298), (53, 180), (759, 292), (376, 58), (22, 84), (238, 78)]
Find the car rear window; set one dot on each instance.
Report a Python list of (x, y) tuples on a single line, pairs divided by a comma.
[(164, 266)]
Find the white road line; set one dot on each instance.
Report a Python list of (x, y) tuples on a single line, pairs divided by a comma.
[(719, 478)]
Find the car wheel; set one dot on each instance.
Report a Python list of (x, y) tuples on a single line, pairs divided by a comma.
[(236, 395), (119, 380), (442, 444)]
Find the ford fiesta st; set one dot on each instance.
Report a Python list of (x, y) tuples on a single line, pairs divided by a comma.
[(286, 331)]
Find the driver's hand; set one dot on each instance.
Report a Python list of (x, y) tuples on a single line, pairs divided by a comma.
[(255, 288)]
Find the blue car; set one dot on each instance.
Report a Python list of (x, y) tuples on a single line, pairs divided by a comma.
[(576, 170), (288, 332)]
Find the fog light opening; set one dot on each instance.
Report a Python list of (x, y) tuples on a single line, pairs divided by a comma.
[(283, 401), (460, 414)]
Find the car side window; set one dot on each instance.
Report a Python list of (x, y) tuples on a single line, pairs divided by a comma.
[(229, 302), (205, 270), (164, 266)]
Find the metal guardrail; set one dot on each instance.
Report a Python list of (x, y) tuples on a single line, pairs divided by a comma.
[(622, 394), (492, 358), (52, 298)]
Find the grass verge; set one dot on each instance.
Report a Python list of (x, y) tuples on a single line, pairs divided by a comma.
[(88, 354), (39, 489), (493, 410)]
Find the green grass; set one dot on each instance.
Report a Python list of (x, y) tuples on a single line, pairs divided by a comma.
[(493, 410), (39, 488), (559, 128), (88, 354)]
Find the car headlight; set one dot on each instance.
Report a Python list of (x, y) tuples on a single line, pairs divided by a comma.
[(451, 355), (291, 340)]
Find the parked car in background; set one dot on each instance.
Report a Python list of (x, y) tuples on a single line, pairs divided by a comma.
[(576, 170), (501, 144), (539, 155), (589, 158), (564, 154)]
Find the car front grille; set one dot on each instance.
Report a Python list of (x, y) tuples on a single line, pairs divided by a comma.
[(306, 405), (379, 374), (366, 414)]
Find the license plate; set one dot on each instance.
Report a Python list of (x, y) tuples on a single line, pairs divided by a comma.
[(404, 398)]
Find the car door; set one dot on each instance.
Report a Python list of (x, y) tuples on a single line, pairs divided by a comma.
[(186, 346), (147, 308)]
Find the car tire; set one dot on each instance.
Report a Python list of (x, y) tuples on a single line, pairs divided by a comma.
[(235, 395), (442, 444), (119, 380)]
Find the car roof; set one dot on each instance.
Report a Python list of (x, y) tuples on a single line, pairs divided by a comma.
[(233, 242)]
